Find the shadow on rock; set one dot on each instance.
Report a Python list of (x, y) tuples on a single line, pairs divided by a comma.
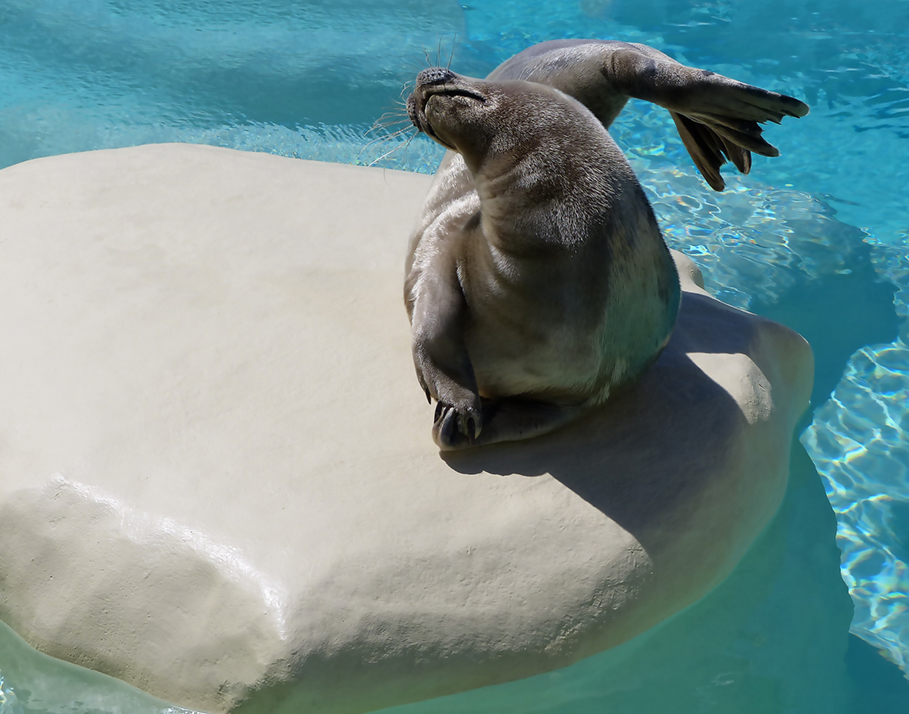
[(772, 637)]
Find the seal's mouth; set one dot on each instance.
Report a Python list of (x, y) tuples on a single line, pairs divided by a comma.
[(435, 82)]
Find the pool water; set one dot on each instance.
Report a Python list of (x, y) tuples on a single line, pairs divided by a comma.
[(816, 618)]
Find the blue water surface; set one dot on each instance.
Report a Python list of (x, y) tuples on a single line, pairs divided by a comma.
[(816, 239)]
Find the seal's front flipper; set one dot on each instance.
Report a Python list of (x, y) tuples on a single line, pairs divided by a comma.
[(446, 374), (717, 117), (437, 312), (511, 419)]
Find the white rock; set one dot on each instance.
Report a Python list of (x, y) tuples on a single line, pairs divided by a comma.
[(217, 480)]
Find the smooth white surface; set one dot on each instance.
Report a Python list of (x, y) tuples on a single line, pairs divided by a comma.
[(217, 479)]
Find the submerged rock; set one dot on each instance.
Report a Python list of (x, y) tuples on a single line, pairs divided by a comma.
[(216, 475)]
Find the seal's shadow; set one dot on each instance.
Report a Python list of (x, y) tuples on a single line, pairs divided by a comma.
[(649, 449)]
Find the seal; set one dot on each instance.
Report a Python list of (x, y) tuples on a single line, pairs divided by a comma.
[(537, 281)]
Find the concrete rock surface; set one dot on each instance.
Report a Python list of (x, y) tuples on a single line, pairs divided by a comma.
[(217, 480)]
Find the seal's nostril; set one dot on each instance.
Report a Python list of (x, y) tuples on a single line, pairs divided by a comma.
[(434, 75)]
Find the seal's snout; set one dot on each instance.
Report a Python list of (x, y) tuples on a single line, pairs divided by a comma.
[(431, 77), (447, 95), (434, 75)]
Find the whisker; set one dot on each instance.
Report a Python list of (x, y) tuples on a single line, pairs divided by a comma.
[(374, 144), (406, 87), (395, 114), (379, 141), (454, 46), (399, 111), (381, 133), (383, 129), (381, 124), (389, 153), (395, 134), (384, 124)]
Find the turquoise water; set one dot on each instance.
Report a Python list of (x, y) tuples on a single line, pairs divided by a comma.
[(816, 239)]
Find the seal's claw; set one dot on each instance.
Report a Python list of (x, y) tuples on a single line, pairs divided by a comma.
[(454, 428), (474, 424), (445, 429)]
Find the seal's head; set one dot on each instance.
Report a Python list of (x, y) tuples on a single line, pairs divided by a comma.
[(481, 119), (443, 104)]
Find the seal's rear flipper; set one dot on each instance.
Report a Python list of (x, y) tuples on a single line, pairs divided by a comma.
[(712, 139), (718, 118), (710, 150)]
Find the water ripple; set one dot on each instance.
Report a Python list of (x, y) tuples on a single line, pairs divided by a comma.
[(857, 441)]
